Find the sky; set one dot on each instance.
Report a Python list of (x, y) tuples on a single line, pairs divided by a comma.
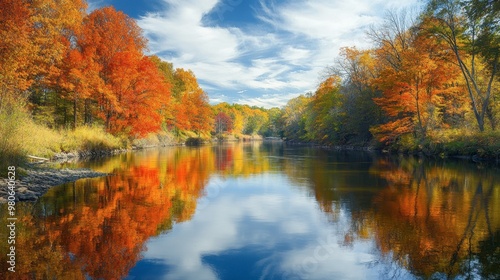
[(255, 52)]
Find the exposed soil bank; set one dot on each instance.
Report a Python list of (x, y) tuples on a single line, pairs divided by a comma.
[(39, 180)]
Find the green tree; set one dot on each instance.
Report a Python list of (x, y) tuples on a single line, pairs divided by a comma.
[(294, 118), (358, 69)]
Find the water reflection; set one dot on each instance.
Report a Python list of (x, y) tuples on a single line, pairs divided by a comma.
[(263, 211), (436, 219)]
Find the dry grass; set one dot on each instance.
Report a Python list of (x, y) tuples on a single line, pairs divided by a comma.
[(40, 141), (163, 138), (89, 139), (21, 136), (12, 147)]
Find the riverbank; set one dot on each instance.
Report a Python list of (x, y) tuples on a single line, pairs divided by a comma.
[(34, 179), (474, 146), (38, 180)]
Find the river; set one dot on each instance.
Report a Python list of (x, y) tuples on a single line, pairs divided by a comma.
[(263, 211)]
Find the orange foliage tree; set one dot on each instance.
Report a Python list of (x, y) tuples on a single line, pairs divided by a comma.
[(192, 110), (33, 42), (78, 80), (61, 58), (15, 49), (133, 91), (415, 82), (141, 93), (107, 32)]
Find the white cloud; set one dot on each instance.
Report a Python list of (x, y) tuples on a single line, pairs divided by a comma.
[(296, 56), (179, 29), (284, 52), (268, 100)]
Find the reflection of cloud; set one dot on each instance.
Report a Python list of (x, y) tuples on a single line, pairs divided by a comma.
[(323, 260), (259, 212)]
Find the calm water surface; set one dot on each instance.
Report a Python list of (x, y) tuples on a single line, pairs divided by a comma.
[(263, 211)]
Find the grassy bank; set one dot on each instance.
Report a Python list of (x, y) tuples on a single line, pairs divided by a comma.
[(231, 137), (20, 136), (453, 143)]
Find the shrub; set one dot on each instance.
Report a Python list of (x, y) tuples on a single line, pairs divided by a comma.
[(467, 143)]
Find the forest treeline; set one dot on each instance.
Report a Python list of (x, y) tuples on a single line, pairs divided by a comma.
[(430, 83)]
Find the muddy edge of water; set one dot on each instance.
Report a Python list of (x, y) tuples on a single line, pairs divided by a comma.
[(39, 180)]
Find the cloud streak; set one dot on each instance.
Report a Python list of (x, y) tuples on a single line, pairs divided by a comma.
[(280, 53)]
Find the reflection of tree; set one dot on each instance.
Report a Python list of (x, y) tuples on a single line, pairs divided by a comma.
[(38, 255), (432, 218), (489, 256), (241, 159), (336, 180), (98, 228)]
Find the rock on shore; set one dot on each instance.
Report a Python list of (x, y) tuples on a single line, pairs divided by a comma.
[(38, 181)]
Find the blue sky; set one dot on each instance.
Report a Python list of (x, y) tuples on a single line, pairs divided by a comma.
[(256, 52)]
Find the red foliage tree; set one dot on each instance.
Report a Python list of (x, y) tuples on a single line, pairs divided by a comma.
[(223, 123)]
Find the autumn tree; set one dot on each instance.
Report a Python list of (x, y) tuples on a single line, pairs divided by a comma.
[(199, 112), (56, 25), (470, 28), (133, 90), (323, 120), (274, 126), (254, 119), (15, 50), (141, 93), (238, 120), (78, 81), (294, 117), (166, 69), (249, 119), (415, 78), (223, 123), (228, 110), (106, 33), (192, 110), (33, 43)]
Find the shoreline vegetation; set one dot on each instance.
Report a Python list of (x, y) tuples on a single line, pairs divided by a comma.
[(474, 147), (36, 179)]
